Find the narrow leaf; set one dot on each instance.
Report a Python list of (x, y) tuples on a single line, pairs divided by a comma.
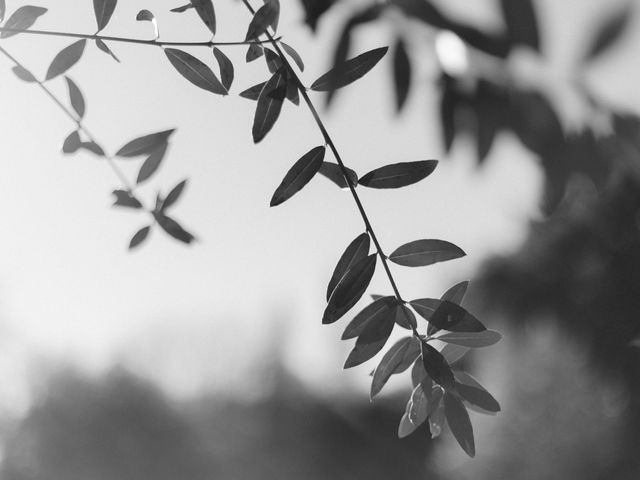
[(103, 46), (421, 253), (126, 199), (66, 59), (446, 315), (139, 237), (226, 68), (174, 195), (22, 19), (356, 251), (471, 391), (380, 309), (349, 71), (484, 338), (459, 422), (93, 147), (195, 71), (437, 367), (207, 13), (371, 341), (401, 74), (254, 52), (147, 16), (76, 98), (349, 289), (152, 163), (334, 173), (174, 229), (144, 145), (294, 55), (266, 16), (522, 23), (269, 106), (253, 93), (397, 359), (104, 10), (182, 9), (399, 174), (299, 175), (274, 62), (24, 74), (71, 143), (609, 33)]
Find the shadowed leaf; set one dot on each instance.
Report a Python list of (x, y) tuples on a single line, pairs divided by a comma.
[(299, 175), (292, 91), (454, 295), (139, 237), (103, 10), (372, 339), (418, 373), (274, 62), (24, 74), (401, 73), (269, 106), (356, 251), (405, 317), (522, 23), (446, 315), (471, 391), (103, 47), (226, 68), (173, 228), (379, 309), (436, 366), (75, 97), (349, 71), (452, 353), (421, 253), (253, 52), (484, 338), (350, 289), (71, 143), (144, 145), (294, 55), (334, 173), (66, 59), (125, 199), (398, 174), (397, 359), (152, 163), (253, 93), (207, 13), (195, 71), (174, 195), (266, 16), (609, 33), (459, 422), (22, 19)]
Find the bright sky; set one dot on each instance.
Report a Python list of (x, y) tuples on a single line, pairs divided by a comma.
[(204, 315)]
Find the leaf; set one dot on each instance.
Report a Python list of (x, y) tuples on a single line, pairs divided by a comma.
[(401, 73), (349, 71), (76, 98), (471, 391), (93, 147), (207, 13), (294, 55), (104, 10), (382, 308), (399, 174), (484, 338), (299, 175), (459, 422), (456, 293), (349, 289), (269, 106), (22, 19), (292, 91), (418, 373), (254, 52), (609, 33), (406, 427), (405, 317), (446, 315), (24, 74), (182, 9), (66, 59), (139, 237), (356, 251), (334, 173), (3, 9), (226, 68), (397, 359), (173, 228), (371, 340), (419, 405), (421, 253), (522, 24), (195, 71), (437, 367), (253, 93), (266, 16), (147, 16), (144, 145), (103, 46), (174, 195), (314, 9), (152, 163), (452, 353), (449, 101), (274, 62), (126, 199), (71, 143), (436, 417)]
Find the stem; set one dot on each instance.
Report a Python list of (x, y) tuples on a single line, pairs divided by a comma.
[(156, 43), (329, 141)]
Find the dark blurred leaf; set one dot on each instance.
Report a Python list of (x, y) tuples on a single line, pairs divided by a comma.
[(174, 195), (334, 173), (269, 106), (103, 46), (356, 251), (152, 163), (66, 59), (93, 147), (148, 16), (254, 51), (349, 289), (474, 393), (484, 338), (206, 13), (398, 174), (405, 317), (76, 98), (299, 175), (609, 33), (446, 315), (437, 367), (294, 55), (266, 16), (182, 9), (458, 420), (253, 93), (421, 253), (139, 237), (3, 9), (314, 9), (381, 309), (349, 71), (71, 143), (24, 74), (421, 10), (226, 68), (372, 339), (274, 63), (397, 359), (104, 10), (536, 123), (126, 199), (401, 73), (448, 106), (522, 23), (173, 228), (22, 19), (195, 71), (145, 144)]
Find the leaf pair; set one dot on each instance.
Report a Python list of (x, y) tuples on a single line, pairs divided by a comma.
[(269, 105), (197, 72), (397, 359), (424, 403), (266, 16), (22, 19), (154, 146)]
